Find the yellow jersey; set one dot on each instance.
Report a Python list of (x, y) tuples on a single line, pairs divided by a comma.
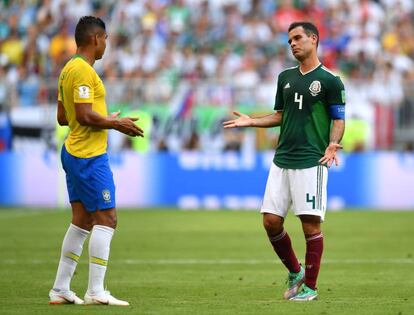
[(79, 83)]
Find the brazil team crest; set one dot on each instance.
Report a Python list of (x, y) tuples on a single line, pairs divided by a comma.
[(106, 195), (315, 88)]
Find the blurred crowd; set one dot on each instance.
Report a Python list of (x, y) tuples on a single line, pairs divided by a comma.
[(229, 51)]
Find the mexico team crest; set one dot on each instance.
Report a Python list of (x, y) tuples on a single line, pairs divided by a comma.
[(106, 195), (315, 88)]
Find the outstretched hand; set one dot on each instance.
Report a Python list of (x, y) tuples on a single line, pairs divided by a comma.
[(243, 120), (330, 155), (127, 126)]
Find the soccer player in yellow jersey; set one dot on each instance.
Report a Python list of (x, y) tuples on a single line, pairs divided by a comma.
[(91, 189)]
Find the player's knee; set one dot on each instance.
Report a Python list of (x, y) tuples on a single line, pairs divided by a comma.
[(310, 229), (112, 219), (89, 223), (273, 224), (109, 220), (113, 222), (311, 224), (85, 223)]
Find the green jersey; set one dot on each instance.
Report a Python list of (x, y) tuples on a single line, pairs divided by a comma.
[(306, 121)]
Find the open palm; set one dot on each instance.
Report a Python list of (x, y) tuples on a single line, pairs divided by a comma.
[(330, 156), (243, 120)]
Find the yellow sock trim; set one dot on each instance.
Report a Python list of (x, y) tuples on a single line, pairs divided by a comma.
[(98, 261), (72, 256)]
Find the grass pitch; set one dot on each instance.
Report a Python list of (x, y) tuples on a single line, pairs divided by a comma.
[(173, 262)]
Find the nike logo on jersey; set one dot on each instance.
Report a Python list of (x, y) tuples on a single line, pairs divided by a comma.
[(287, 86)]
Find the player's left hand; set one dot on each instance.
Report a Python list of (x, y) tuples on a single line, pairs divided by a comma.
[(330, 154)]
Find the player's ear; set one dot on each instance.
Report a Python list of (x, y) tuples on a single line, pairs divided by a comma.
[(315, 37)]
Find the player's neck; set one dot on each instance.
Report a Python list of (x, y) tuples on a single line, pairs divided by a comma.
[(86, 55), (309, 64)]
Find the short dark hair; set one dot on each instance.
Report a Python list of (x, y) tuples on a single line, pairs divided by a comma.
[(309, 28), (86, 27)]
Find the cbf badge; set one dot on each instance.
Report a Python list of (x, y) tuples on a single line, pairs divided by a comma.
[(315, 88), (106, 194)]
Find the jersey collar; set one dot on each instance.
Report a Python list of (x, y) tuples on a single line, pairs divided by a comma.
[(305, 73), (78, 56)]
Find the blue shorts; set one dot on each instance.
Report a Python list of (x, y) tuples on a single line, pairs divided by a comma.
[(89, 180)]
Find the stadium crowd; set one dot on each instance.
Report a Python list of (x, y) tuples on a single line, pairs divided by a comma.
[(229, 51)]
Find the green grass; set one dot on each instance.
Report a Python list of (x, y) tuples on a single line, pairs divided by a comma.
[(172, 262)]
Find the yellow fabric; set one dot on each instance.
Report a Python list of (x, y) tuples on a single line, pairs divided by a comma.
[(72, 256), (390, 40), (14, 50), (61, 45), (98, 261), (79, 83)]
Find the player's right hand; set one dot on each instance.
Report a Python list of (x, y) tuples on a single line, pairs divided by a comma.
[(127, 126), (331, 156), (243, 121)]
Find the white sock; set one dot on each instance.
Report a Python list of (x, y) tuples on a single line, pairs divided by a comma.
[(99, 246), (71, 250)]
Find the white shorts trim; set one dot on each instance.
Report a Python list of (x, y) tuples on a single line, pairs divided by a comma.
[(302, 190)]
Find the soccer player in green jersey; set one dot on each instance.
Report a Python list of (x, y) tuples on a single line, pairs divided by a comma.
[(310, 110), (90, 184)]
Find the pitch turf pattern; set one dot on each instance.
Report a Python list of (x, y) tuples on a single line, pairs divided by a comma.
[(172, 262)]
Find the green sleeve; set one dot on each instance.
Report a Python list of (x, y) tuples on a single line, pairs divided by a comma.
[(336, 92), (279, 102)]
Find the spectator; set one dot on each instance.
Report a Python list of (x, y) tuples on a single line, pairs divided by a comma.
[(13, 48), (27, 87), (62, 45), (230, 51)]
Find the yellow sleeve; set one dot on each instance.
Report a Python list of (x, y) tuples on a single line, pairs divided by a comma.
[(83, 85), (60, 87)]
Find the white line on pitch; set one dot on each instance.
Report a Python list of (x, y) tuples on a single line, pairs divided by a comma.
[(356, 261)]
